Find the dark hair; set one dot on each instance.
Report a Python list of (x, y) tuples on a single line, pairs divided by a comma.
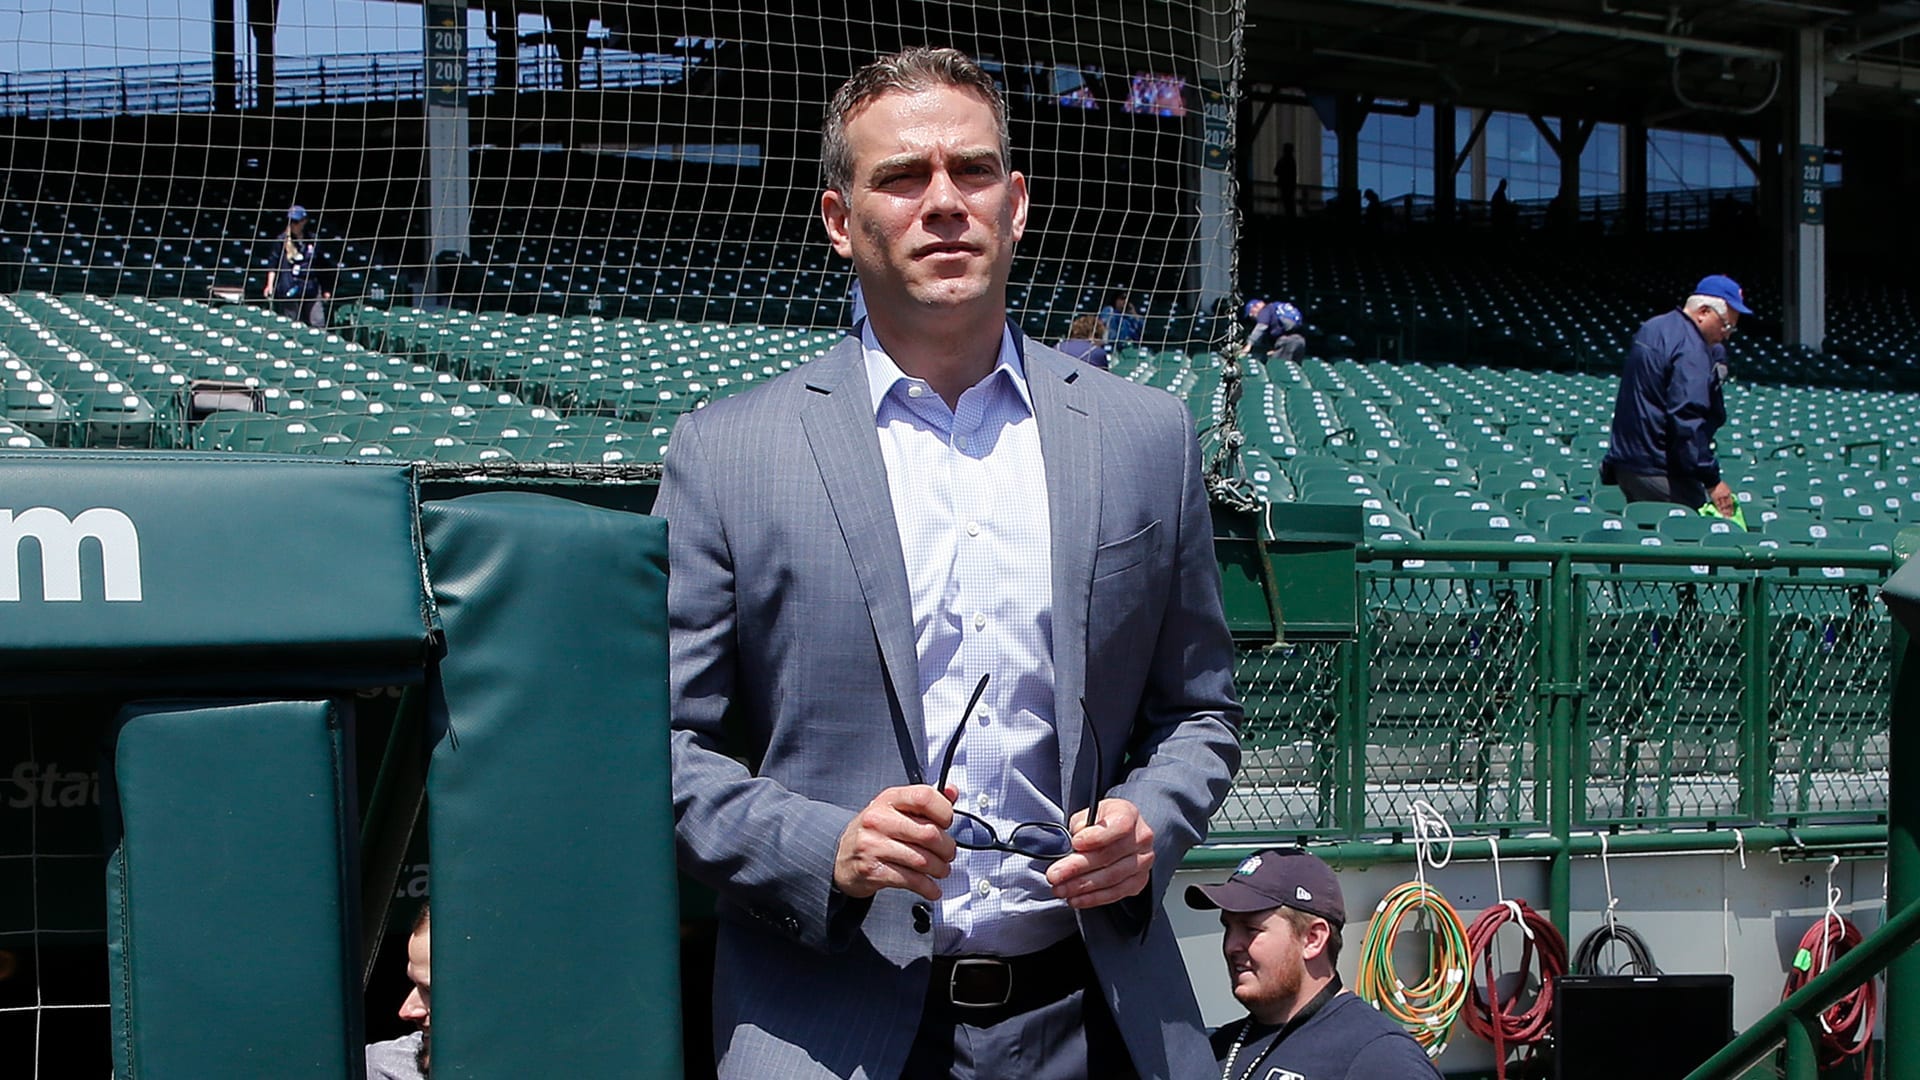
[(420, 920), (906, 72), (1302, 924)]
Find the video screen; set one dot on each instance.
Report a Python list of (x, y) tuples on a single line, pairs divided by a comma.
[(1073, 88), (1157, 95)]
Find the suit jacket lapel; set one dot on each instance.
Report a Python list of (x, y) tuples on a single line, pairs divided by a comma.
[(839, 424), (1068, 434)]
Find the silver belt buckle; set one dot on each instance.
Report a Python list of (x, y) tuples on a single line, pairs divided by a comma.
[(953, 982)]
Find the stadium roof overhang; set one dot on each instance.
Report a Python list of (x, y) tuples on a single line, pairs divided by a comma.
[(1725, 65)]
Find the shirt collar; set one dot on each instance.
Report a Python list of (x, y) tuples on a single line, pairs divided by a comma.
[(883, 374)]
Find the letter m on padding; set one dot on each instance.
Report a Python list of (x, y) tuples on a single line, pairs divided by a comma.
[(59, 539)]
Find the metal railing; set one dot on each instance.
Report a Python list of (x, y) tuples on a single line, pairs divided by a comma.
[(316, 80), (1702, 686), (1570, 698)]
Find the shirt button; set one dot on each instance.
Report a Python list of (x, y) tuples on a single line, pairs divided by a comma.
[(960, 441), (984, 888), (981, 802), (983, 719), (973, 528), (979, 621), (915, 390)]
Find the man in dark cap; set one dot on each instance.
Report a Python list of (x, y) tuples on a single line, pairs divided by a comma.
[(1670, 402), (1283, 915)]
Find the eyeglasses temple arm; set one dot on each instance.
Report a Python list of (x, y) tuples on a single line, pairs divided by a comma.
[(953, 744)]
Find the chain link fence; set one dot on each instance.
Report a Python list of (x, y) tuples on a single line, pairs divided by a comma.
[(1698, 694)]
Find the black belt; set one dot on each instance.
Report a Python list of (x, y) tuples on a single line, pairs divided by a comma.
[(983, 990)]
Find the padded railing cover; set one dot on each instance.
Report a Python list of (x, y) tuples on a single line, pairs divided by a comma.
[(549, 794), (201, 570), (231, 938)]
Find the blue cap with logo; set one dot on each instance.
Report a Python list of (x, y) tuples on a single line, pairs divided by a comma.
[(1725, 288), (1253, 307), (1276, 877), (297, 213)]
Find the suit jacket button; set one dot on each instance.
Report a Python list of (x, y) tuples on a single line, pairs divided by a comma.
[(922, 918), (792, 925)]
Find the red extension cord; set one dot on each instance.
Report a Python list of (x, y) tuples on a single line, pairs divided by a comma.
[(1499, 1023), (1846, 1027)]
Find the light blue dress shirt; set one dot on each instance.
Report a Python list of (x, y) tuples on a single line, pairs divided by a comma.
[(969, 496)]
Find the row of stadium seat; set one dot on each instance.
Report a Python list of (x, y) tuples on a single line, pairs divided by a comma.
[(1433, 452), (1515, 305)]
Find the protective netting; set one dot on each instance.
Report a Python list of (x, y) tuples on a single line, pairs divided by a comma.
[(649, 162), (530, 237)]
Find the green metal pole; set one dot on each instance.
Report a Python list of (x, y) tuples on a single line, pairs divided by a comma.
[(1903, 844), (1757, 701), (1859, 964), (1814, 842), (1354, 709), (1802, 1062), (1562, 672)]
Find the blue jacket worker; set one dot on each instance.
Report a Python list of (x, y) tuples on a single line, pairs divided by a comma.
[(293, 284), (1670, 402), (1283, 912), (1274, 326)]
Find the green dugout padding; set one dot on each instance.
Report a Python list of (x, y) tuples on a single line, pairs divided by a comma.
[(231, 889), (197, 571), (555, 944)]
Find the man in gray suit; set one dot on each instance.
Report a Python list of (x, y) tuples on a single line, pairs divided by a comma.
[(934, 596)]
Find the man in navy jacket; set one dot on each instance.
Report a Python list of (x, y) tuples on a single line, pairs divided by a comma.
[(1670, 402)]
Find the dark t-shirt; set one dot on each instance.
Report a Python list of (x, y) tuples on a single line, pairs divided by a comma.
[(1346, 1040)]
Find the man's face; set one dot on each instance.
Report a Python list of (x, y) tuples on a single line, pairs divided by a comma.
[(932, 213), (1264, 958), (1713, 325), (418, 1008)]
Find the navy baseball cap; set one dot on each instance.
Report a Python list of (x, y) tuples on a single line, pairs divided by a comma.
[(297, 213), (1253, 306), (1276, 877), (1725, 288)]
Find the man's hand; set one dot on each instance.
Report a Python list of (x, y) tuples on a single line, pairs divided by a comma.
[(1723, 499), (1112, 857), (899, 841)]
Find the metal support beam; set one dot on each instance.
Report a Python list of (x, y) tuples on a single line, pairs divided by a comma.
[(1444, 137), (1633, 169), (226, 62), (1804, 275), (1581, 27), (1473, 140), (1898, 33)]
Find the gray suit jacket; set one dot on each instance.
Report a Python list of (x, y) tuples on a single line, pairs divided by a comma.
[(794, 685)]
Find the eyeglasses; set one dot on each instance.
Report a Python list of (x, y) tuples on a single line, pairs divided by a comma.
[(1047, 840), (1726, 328)]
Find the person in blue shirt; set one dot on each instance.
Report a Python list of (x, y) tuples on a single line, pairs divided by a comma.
[(1670, 403), (1122, 319), (1086, 340), (1283, 913), (293, 285), (1274, 331)]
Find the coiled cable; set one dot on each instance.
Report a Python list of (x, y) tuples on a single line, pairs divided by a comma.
[(1507, 1024), (1846, 1026), (1428, 1008), (1586, 957)]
